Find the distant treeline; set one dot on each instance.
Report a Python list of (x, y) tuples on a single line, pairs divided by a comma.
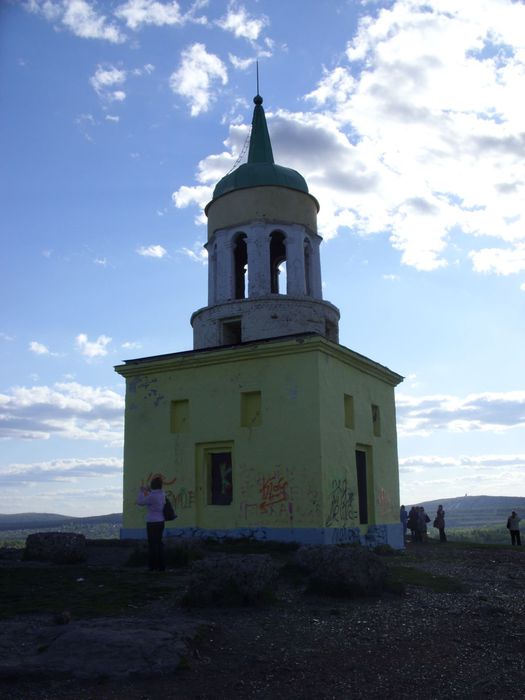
[(42, 521)]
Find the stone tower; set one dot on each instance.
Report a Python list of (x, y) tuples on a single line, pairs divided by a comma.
[(268, 428), (261, 221)]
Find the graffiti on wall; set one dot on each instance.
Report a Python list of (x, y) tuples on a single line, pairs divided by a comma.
[(274, 498), (182, 498), (342, 507), (274, 493), (345, 535)]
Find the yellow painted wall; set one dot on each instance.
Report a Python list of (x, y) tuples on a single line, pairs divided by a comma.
[(286, 463), (276, 479), (339, 443)]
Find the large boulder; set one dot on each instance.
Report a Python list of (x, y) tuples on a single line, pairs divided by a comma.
[(233, 580), (342, 571), (58, 547)]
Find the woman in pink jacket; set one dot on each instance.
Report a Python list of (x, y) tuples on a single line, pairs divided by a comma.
[(154, 498)]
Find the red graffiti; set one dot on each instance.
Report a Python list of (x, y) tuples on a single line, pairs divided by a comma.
[(273, 490)]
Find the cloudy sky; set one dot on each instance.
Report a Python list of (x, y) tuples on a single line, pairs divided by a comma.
[(407, 120)]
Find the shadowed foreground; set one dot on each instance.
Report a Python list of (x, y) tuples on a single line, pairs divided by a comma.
[(449, 625)]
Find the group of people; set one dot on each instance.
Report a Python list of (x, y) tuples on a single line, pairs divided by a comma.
[(417, 521)]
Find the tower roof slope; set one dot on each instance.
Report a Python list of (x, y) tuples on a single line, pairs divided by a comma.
[(260, 170)]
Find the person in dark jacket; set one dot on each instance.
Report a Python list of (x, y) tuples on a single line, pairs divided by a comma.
[(439, 522), (422, 520), (412, 523), (154, 498), (513, 525), (403, 517)]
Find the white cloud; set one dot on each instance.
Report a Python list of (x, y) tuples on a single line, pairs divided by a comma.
[(241, 63), (241, 24), (406, 138), (78, 16), (6, 336), (105, 79), (392, 278), (197, 254), (147, 69), (428, 477), (502, 261), (92, 348), (137, 13), (490, 411), (101, 261), (60, 470), (66, 409), (131, 345), (112, 118), (195, 78), (38, 348), (84, 122), (152, 251)]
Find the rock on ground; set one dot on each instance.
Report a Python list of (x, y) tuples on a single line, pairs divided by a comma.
[(94, 649), (241, 580), (58, 547), (342, 571)]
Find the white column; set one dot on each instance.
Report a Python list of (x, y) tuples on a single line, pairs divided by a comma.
[(316, 281), (212, 263), (258, 242), (295, 273), (224, 277)]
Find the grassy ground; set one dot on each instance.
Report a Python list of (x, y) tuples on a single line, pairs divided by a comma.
[(81, 591), (87, 591)]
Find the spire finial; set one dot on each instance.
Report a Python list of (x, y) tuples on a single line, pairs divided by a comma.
[(258, 100)]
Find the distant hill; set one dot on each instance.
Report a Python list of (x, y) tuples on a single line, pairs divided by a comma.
[(34, 521), (476, 511)]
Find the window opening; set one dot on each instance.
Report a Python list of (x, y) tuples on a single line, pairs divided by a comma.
[(231, 331), (240, 257), (349, 411), (179, 416), (376, 420), (330, 331), (362, 486), (220, 479), (277, 259), (250, 408)]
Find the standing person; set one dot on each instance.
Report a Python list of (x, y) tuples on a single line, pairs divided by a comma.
[(154, 498), (412, 523), (513, 525), (422, 520), (439, 522), (403, 517)]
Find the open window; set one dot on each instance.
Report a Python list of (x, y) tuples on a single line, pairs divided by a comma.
[(219, 478), (240, 264), (277, 259), (231, 331)]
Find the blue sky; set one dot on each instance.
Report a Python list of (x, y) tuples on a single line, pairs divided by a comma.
[(118, 118)]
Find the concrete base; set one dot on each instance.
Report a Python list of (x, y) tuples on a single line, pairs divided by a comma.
[(376, 535)]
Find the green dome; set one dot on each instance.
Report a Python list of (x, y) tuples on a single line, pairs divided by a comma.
[(258, 174), (260, 169)]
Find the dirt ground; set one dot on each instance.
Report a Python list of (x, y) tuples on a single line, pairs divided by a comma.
[(420, 644)]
